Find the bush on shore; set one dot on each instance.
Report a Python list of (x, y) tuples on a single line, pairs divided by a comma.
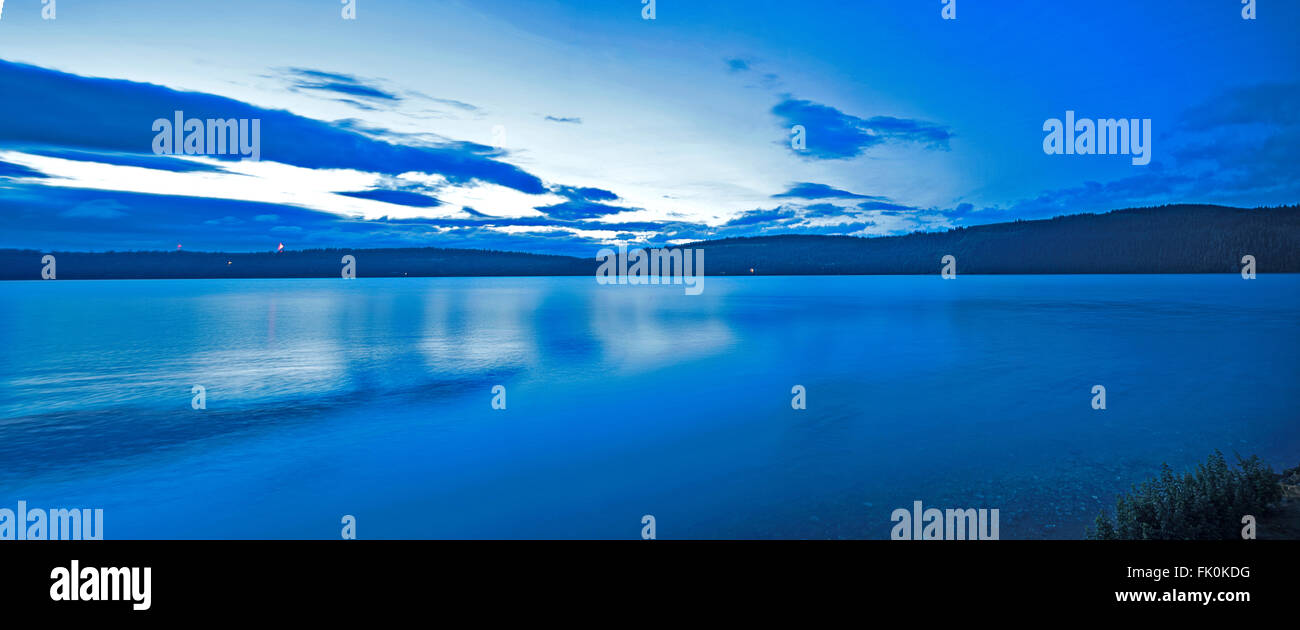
[(1202, 505)]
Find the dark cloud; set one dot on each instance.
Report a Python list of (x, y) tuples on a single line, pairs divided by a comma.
[(884, 205), (16, 170), (580, 210), (807, 190), (43, 217), (113, 125), (60, 110), (399, 197), (579, 193), (1240, 147), (835, 135), (825, 210), (755, 217), (421, 139), (1244, 144)]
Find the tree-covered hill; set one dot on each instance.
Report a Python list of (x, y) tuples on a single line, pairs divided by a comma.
[(1167, 239)]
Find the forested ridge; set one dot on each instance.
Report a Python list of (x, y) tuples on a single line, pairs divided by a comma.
[(1165, 239)]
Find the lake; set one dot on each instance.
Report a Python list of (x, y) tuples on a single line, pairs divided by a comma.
[(373, 398)]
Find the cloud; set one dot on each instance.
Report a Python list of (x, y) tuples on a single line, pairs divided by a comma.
[(68, 111), (336, 83), (884, 205), (746, 67), (357, 104), (368, 94), (578, 193), (835, 135), (808, 190), (1239, 147), (1271, 103), (755, 217), (560, 119), (450, 102), (30, 217), (419, 139), (9, 170), (1246, 148), (399, 197), (822, 210), (1244, 142), (580, 210), (156, 162), (501, 206)]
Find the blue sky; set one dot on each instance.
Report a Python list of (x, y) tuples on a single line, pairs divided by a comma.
[(563, 126)]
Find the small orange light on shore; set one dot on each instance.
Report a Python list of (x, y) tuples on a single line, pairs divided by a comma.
[(751, 270)]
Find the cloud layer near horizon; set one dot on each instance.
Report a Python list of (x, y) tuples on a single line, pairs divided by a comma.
[(77, 171)]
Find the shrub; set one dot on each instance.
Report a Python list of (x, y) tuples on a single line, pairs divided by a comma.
[(1206, 504)]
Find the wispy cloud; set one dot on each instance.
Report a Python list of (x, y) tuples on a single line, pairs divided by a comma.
[(337, 83)]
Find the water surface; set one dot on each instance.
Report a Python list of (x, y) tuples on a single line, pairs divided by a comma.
[(372, 397)]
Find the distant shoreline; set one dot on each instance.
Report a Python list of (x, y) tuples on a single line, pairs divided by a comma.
[(786, 275), (1179, 239)]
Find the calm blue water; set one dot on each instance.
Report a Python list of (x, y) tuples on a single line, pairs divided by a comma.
[(372, 398)]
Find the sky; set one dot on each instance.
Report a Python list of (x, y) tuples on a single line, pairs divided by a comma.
[(564, 126)]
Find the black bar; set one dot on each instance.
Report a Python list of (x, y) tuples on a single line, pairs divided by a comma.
[(195, 579)]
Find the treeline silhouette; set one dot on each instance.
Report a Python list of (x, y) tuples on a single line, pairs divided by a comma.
[(311, 263), (1166, 239)]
